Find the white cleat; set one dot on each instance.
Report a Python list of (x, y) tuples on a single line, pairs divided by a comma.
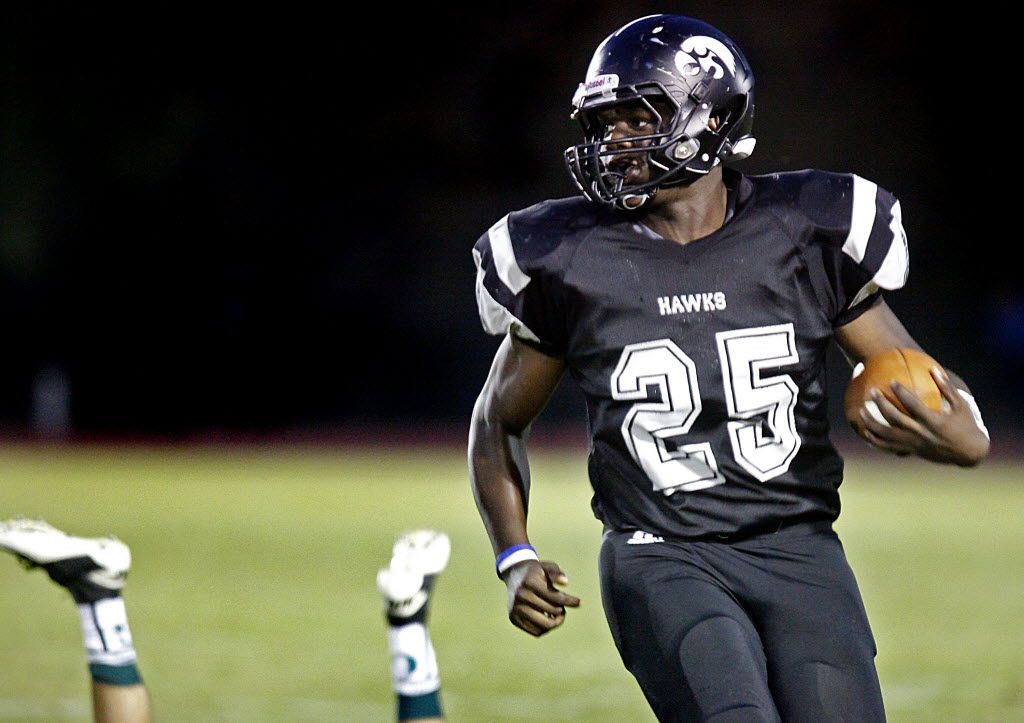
[(417, 556), (91, 568)]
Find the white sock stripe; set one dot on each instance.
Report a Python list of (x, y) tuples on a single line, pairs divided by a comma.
[(105, 632), (124, 657), (413, 661)]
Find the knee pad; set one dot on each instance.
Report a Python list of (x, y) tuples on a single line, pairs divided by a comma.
[(724, 665)]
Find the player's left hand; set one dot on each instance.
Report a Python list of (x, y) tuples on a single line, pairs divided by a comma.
[(950, 436), (534, 603)]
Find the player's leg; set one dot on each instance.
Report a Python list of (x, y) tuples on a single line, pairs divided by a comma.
[(821, 653), (120, 703), (93, 570), (406, 585), (690, 645)]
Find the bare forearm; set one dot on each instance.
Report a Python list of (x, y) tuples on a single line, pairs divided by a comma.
[(501, 481), (518, 386)]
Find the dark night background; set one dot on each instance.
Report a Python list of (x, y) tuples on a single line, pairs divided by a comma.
[(261, 222)]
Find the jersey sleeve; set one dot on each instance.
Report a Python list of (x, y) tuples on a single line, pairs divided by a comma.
[(516, 292), (864, 245)]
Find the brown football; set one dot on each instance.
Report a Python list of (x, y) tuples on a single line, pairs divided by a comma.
[(909, 367)]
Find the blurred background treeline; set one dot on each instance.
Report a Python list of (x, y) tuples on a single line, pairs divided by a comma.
[(218, 220)]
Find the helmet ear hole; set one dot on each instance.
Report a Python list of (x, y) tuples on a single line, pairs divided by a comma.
[(723, 115)]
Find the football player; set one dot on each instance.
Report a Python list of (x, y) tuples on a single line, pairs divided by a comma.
[(693, 305), (93, 570)]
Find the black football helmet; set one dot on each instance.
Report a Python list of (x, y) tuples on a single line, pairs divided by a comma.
[(683, 71)]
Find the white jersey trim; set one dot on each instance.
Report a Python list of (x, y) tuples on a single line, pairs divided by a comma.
[(505, 258), (892, 274), (867, 290), (862, 218), (495, 318)]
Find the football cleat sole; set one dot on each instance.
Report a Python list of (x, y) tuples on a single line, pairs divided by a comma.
[(91, 568)]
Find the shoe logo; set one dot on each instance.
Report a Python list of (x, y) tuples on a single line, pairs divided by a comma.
[(643, 538)]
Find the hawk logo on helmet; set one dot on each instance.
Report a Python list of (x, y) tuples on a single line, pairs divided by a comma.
[(707, 51)]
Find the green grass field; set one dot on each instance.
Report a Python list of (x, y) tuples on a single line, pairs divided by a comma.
[(252, 595)]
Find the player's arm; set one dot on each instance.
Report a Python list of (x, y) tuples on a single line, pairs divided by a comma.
[(954, 436), (520, 382)]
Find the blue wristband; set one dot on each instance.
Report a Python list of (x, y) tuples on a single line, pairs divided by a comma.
[(513, 555)]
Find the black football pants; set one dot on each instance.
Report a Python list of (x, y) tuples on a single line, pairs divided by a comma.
[(765, 629)]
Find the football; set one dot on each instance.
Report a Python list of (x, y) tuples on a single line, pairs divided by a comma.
[(909, 367)]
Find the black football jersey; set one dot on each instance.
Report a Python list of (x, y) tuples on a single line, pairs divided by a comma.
[(702, 365)]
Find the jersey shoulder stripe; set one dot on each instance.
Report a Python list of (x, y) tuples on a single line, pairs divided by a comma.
[(520, 263), (505, 257), (862, 218), (854, 226), (877, 241), (495, 315)]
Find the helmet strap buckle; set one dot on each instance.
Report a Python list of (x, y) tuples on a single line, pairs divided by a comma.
[(685, 150)]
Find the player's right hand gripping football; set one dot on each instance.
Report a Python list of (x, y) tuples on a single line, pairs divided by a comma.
[(534, 603)]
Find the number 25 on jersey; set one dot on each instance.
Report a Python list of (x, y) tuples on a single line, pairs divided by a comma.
[(761, 424)]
